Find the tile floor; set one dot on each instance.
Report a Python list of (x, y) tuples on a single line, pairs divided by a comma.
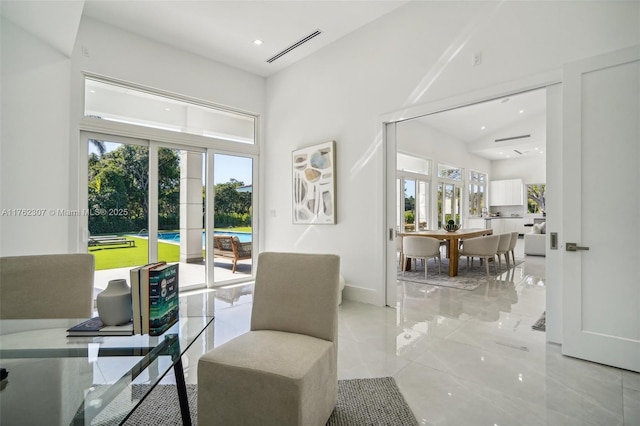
[(465, 357)]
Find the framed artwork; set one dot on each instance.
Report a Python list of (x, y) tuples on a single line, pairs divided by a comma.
[(314, 184)]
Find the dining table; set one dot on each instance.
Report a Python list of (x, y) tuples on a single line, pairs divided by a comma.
[(453, 238)]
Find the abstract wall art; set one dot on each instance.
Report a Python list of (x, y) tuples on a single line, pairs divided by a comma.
[(314, 184)]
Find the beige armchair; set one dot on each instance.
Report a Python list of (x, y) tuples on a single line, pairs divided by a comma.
[(483, 247), (46, 286), (414, 247), (284, 370)]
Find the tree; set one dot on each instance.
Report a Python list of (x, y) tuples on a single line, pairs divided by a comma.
[(119, 180), (536, 202)]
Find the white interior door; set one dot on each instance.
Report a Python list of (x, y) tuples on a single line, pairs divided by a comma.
[(601, 187)]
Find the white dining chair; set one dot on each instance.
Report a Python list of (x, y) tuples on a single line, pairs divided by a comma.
[(503, 249), (484, 247), (414, 247), (512, 246)]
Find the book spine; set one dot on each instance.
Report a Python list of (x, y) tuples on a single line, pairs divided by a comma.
[(163, 294), (144, 294), (134, 275)]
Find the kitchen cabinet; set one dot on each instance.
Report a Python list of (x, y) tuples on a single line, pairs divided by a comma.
[(507, 224), (506, 192), (475, 222)]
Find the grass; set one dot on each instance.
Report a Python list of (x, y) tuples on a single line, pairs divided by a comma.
[(109, 257)]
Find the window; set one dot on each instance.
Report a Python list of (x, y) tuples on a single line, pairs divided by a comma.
[(536, 198), (110, 101), (477, 185), (446, 171)]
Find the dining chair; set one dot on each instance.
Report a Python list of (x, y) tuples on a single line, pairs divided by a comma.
[(503, 249), (414, 247), (283, 371), (46, 286), (399, 248), (485, 248), (512, 246)]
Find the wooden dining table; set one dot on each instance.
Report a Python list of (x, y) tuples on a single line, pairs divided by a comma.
[(453, 239)]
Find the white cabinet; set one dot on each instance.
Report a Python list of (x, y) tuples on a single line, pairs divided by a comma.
[(504, 225), (475, 222), (506, 192)]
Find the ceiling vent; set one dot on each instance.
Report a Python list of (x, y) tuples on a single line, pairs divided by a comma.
[(513, 138), (294, 45)]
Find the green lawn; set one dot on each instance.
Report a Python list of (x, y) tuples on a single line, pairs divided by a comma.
[(109, 257)]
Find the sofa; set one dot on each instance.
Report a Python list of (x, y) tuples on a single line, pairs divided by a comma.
[(535, 242)]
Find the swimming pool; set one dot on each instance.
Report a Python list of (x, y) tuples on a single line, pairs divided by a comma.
[(244, 237)]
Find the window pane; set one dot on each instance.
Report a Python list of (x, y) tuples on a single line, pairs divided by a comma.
[(181, 213), (127, 105), (423, 208), (449, 172), (409, 205), (118, 194), (409, 163), (536, 203), (233, 209)]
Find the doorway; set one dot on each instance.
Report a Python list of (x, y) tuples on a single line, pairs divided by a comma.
[(499, 139)]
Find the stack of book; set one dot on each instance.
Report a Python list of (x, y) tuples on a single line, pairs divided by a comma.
[(154, 295), (94, 327)]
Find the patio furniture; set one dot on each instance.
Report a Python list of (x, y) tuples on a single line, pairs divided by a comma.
[(46, 286), (110, 240), (230, 247), (284, 370)]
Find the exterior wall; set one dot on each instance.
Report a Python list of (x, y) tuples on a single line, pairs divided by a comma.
[(419, 54)]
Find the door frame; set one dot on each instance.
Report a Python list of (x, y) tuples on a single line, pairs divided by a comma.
[(389, 141)]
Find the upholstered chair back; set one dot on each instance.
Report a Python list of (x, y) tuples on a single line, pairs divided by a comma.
[(413, 246), (310, 281), (47, 286)]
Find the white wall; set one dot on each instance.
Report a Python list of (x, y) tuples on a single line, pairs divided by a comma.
[(35, 144), (419, 54), (530, 169), (42, 102), (417, 138)]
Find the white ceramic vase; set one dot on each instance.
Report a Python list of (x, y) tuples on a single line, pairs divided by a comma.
[(114, 303)]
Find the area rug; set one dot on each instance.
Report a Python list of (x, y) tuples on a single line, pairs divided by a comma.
[(541, 324), (376, 401), (465, 280)]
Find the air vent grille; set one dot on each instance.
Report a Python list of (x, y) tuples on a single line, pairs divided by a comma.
[(513, 138), (294, 45)]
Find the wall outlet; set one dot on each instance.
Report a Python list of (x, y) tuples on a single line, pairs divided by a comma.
[(476, 59)]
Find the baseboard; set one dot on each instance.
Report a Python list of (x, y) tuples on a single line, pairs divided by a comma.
[(361, 294)]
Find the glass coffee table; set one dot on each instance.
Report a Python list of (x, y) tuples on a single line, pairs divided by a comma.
[(55, 379)]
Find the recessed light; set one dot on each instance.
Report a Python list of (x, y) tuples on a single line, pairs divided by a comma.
[(257, 42), (483, 127), (167, 109), (536, 148), (92, 91), (521, 111)]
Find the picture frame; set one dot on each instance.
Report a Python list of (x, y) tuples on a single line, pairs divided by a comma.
[(314, 184)]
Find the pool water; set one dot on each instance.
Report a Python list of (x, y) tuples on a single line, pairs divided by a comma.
[(244, 237)]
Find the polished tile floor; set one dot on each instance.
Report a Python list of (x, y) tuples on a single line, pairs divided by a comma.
[(464, 357)]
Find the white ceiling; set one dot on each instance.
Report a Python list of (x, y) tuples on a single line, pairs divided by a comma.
[(225, 30), (482, 125)]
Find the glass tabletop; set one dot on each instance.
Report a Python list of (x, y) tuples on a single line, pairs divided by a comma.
[(55, 379)]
